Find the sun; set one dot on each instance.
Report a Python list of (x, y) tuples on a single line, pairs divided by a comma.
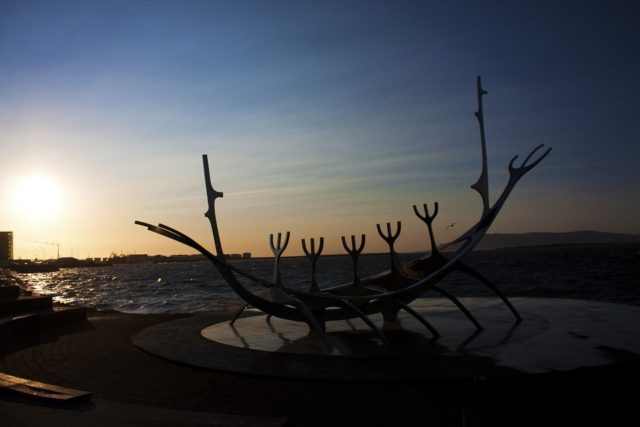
[(36, 196)]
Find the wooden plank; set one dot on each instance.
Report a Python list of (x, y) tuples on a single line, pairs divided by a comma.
[(41, 390)]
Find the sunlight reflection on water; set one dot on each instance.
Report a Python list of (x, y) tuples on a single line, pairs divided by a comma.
[(171, 287)]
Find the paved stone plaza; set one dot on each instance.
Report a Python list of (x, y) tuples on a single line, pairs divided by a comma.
[(132, 386)]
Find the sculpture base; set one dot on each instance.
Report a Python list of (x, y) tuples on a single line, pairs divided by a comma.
[(555, 335)]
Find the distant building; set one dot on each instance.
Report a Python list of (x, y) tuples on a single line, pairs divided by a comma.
[(6, 247), (136, 258), (246, 255), (130, 259)]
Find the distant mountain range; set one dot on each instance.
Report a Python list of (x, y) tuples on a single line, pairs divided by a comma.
[(498, 240)]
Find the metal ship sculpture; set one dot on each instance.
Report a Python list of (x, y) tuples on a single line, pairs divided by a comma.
[(386, 293)]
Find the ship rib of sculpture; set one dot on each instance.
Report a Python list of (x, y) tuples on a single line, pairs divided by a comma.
[(386, 293)]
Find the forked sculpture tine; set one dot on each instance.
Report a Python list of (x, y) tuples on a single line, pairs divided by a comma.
[(354, 253), (428, 219), (277, 253), (313, 258), (391, 238), (524, 167)]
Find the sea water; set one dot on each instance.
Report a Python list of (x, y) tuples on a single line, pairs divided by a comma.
[(174, 287), (599, 272)]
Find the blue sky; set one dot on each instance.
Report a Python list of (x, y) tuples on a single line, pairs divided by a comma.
[(319, 117)]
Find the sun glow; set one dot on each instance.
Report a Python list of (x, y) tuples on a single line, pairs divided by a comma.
[(36, 196)]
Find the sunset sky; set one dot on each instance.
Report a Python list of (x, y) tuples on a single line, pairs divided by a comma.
[(322, 118)]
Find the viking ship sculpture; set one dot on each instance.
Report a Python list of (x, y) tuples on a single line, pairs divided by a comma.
[(386, 293)]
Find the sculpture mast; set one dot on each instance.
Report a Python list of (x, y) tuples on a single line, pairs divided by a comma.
[(212, 195), (482, 184)]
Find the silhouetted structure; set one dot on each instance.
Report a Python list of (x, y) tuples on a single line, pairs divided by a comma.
[(6, 247), (386, 293)]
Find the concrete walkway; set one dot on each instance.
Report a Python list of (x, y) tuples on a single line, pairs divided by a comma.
[(107, 413), (132, 387), (102, 359)]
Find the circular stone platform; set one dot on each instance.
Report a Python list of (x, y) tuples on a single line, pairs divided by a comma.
[(555, 335)]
